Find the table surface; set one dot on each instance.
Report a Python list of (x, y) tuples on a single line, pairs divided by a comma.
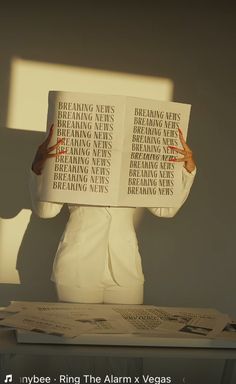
[(8, 345)]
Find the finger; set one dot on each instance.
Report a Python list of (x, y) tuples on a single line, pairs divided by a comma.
[(187, 153), (183, 142), (172, 158), (60, 141), (180, 159), (49, 155), (177, 149)]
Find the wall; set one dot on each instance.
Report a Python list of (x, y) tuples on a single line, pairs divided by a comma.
[(194, 49)]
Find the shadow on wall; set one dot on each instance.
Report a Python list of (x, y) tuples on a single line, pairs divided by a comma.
[(41, 238)]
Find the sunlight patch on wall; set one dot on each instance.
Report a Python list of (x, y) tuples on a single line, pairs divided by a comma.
[(30, 82)]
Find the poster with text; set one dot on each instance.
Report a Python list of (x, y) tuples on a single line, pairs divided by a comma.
[(116, 150)]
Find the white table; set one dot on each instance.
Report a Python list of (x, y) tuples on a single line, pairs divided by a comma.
[(9, 346)]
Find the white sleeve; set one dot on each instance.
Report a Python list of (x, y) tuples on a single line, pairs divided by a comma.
[(43, 209), (187, 181)]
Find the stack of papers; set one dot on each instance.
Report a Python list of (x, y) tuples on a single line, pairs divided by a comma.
[(110, 324)]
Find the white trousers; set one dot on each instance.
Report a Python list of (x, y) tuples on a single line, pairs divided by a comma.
[(108, 290), (109, 295), (104, 285)]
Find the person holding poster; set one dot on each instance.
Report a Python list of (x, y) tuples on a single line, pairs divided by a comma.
[(98, 260)]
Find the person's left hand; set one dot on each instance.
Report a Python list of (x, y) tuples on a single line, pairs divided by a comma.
[(189, 163)]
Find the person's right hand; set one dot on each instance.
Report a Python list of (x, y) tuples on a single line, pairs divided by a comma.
[(43, 153)]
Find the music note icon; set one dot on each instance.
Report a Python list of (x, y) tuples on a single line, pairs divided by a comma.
[(8, 379)]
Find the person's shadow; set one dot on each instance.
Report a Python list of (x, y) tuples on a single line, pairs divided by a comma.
[(36, 255), (41, 237)]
